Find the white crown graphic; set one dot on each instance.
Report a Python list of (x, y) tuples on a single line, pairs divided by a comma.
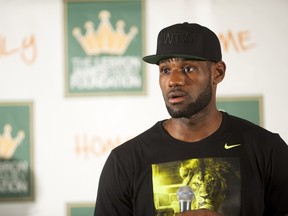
[(8, 145), (105, 40)]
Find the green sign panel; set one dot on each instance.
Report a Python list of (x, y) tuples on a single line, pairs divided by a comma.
[(249, 108), (16, 167), (81, 209), (104, 47)]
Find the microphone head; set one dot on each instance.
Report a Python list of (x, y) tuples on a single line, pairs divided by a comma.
[(185, 193)]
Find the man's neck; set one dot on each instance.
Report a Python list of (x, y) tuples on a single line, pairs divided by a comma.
[(194, 128)]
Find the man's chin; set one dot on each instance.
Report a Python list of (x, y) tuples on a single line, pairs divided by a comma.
[(177, 114)]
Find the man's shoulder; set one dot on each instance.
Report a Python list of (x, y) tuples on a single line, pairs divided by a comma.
[(248, 128), (145, 138), (233, 121)]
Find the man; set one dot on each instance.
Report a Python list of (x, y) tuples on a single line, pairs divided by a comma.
[(232, 166)]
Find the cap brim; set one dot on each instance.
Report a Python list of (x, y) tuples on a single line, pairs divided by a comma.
[(155, 59)]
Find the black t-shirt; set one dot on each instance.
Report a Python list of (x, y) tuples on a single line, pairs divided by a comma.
[(238, 170)]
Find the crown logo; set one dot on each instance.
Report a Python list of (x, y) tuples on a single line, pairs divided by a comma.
[(8, 144), (105, 40)]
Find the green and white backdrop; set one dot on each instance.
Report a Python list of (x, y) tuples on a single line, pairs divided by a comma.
[(64, 103)]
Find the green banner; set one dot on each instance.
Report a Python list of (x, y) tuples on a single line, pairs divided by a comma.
[(80, 209), (16, 166), (104, 47), (249, 108)]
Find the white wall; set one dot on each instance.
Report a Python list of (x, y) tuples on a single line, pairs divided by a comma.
[(61, 174)]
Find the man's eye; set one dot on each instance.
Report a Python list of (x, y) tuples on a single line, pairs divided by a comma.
[(188, 69), (164, 70)]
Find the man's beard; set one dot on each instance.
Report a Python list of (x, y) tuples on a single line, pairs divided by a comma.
[(193, 108)]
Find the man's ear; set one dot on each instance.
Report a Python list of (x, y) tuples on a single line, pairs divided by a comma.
[(219, 72)]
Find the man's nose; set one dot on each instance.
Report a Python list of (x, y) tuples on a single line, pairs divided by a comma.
[(176, 78)]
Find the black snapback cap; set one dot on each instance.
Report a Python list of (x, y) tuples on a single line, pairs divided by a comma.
[(188, 41)]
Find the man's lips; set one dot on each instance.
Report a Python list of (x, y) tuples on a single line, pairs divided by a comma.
[(176, 97)]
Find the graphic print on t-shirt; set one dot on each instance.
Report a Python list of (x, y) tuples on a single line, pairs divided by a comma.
[(216, 184)]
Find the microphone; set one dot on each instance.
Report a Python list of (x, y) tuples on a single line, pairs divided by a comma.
[(185, 196)]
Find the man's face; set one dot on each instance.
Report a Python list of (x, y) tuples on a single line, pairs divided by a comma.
[(186, 86)]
